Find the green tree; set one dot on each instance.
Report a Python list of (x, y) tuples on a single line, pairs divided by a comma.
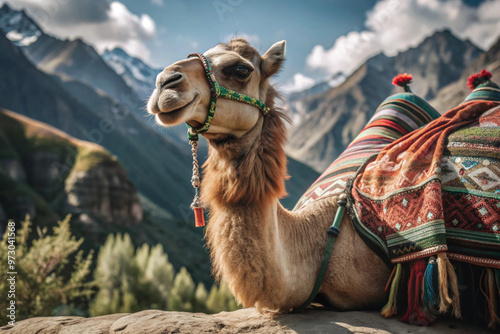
[(200, 299), (44, 279), (182, 294), (129, 280), (159, 271)]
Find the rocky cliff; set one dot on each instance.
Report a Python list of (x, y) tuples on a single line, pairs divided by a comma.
[(59, 174), (241, 321), (455, 93), (47, 174)]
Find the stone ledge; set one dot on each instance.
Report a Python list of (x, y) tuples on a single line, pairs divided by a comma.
[(241, 321)]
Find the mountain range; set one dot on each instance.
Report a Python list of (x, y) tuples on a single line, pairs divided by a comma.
[(294, 100), (332, 119), (72, 58), (155, 164), (80, 61)]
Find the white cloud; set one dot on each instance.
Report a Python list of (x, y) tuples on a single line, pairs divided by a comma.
[(347, 53), (486, 32), (395, 25), (299, 82), (102, 23)]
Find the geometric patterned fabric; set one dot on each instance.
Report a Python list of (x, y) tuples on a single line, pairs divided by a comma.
[(397, 116), (471, 191), (437, 189)]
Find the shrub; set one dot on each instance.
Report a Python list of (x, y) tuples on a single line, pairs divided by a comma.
[(44, 278)]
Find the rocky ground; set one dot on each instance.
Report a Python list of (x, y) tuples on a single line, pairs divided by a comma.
[(241, 321)]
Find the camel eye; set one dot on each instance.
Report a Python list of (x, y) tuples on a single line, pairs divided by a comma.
[(242, 71)]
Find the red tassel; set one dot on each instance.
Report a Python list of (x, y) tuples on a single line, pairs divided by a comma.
[(415, 314), (478, 78), (402, 79), (199, 217)]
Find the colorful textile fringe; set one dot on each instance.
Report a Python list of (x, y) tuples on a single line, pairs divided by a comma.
[(433, 289), (415, 313), (448, 282), (490, 292)]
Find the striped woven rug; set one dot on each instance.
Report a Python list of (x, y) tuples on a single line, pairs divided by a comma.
[(398, 115)]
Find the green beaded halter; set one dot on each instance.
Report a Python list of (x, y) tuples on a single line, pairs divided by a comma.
[(216, 91)]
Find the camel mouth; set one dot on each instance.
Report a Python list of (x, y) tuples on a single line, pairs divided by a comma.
[(173, 116)]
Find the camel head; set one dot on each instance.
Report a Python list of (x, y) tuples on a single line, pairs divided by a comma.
[(183, 93)]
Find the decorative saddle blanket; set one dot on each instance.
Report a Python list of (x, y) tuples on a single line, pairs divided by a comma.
[(437, 189), (424, 190)]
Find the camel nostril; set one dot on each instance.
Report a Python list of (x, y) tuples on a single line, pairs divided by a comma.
[(170, 79)]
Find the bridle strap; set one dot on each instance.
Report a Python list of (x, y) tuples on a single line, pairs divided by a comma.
[(217, 90)]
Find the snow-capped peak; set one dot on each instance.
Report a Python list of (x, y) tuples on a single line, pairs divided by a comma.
[(137, 74), (18, 27)]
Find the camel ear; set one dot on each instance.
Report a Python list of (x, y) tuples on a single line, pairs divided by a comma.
[(273, 58)]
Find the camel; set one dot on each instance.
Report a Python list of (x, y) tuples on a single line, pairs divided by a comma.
[(269, 256)]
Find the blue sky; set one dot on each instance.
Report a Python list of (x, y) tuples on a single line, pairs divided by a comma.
[(188, 26), (324, 37)]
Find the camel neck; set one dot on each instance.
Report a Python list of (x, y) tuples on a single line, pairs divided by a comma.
[(250, 170), (269, 256), (252, 239), (242, 182)]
